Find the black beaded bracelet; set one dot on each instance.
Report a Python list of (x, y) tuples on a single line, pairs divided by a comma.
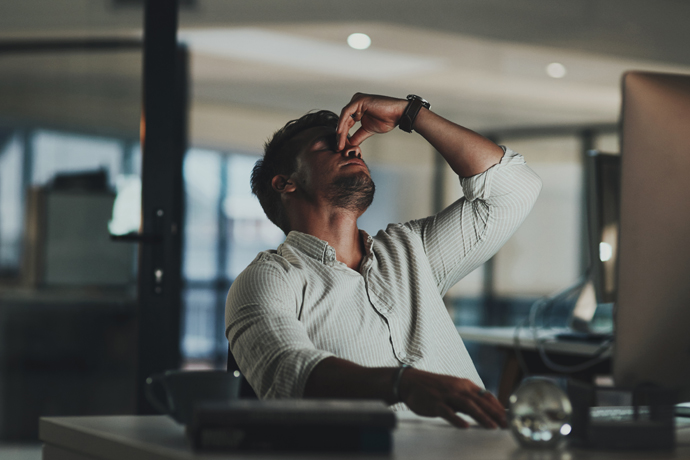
[(396, 382)]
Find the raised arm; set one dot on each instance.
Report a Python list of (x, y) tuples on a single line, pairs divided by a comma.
[(499, 189), (467, 152)]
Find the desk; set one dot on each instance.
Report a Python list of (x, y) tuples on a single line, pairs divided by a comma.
[(159, 438), (561, 351)]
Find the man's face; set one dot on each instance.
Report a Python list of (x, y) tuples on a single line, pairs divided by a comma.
[(341, 178)]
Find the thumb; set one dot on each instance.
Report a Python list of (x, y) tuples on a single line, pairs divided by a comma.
[(360, 136)]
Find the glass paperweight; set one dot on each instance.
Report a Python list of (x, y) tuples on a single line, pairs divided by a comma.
[(539, 413)]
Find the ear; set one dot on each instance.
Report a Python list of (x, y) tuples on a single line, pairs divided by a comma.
[(283, 184)]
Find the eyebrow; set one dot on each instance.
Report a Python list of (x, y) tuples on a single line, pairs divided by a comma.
[(328, 139)]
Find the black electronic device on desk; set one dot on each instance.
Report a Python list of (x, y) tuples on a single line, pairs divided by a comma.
[(293, 425), (645, 422)]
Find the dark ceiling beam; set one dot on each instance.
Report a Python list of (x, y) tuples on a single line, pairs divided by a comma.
[(55, 45)]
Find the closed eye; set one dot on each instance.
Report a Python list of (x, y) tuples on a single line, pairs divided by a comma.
[(326, 142)]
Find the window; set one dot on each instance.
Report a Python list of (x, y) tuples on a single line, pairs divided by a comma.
[(11, 200), (225, 228)]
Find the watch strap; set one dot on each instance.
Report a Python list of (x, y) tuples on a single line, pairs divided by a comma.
[(414, 105)]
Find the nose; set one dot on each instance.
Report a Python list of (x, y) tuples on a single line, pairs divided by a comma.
[(352, 151)]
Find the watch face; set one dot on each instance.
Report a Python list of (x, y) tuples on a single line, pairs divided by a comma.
[(425, 103)]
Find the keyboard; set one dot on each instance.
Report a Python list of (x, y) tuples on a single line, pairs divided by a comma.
[(617, 413)]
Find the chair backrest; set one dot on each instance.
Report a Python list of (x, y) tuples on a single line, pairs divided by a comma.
[(246, 390)]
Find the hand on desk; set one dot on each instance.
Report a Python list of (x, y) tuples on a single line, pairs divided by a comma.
[(425, 393), (435, 395)]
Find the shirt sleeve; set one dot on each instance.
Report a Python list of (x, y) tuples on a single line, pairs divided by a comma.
[(468, 232), (269, 343)]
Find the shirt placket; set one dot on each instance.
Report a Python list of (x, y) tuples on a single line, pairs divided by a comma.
[(380, 301)]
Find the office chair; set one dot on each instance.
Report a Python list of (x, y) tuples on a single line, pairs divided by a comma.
[(246, 391)]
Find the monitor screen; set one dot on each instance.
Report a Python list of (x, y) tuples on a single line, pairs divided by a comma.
[(652, 317)]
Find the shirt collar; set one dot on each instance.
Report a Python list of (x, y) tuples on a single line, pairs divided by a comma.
[(319, 249)]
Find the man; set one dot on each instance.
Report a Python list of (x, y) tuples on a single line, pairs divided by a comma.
[(337, 313)]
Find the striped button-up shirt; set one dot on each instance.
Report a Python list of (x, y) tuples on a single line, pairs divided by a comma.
[(293, 307)]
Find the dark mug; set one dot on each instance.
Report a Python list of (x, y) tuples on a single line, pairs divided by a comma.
[(185, 389)]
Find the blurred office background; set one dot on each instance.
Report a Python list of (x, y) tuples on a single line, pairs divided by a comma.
[(540, 76)]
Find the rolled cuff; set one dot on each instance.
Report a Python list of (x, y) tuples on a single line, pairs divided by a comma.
[(294, 371), (479, 185)]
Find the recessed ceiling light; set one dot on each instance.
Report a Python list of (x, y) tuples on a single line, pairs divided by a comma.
[(556, 70), (359, 41)]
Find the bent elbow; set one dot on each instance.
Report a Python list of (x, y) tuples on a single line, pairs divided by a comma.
[(534, 184)]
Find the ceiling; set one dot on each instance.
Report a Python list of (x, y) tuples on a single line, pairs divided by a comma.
[(638, 29), (481, 62)]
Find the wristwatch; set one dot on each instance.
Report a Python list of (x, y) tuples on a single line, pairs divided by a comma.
[(414, 105)]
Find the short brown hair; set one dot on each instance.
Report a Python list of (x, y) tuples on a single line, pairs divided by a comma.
[(280, 158)]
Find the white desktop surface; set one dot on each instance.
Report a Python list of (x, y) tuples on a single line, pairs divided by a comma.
[(159, 438), (505, 337)]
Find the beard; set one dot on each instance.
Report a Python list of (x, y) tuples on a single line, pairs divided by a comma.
[(352, 192)]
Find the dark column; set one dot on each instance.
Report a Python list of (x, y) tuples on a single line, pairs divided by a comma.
[(587, 139), (163, 143)]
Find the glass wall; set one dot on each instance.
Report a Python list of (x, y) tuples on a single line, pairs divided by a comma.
[(11, 200), (225, 228)]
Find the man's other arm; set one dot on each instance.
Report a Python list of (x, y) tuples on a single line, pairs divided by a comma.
[(274, 352), (279, 360), (425, 393)]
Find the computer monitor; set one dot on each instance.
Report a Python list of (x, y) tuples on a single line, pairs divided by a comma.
[(652, 316), (603, 204)]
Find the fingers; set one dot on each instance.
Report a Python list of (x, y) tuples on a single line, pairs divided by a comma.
[(443, 396), (345, 123), (483, 407), (359, 136), (471, 408), (495, 409), (377, 114), (350, 114), (449, 414)]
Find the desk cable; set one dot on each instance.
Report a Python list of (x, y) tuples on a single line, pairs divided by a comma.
[(538, 309)]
